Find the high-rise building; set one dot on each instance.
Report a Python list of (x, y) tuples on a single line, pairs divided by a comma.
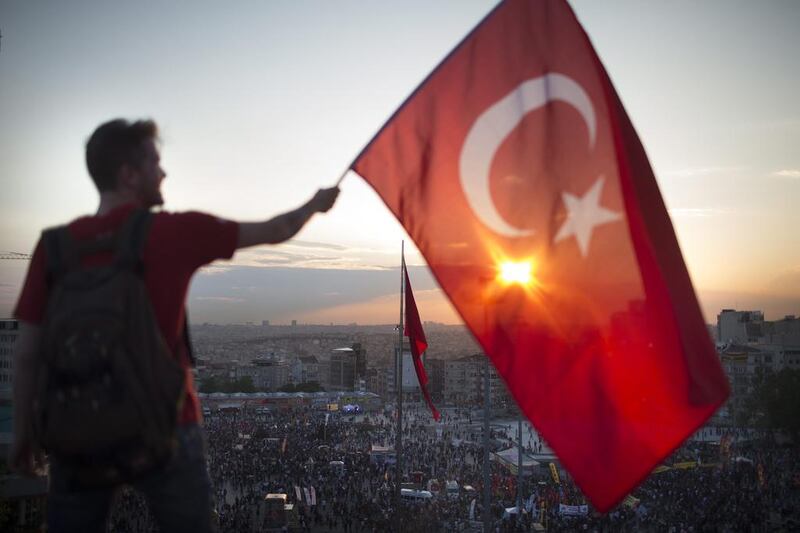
[(24, 497), (435, 370), (305, 369), (9, 331), (739, 327), (464, 382), (267, 373), (342, 374), (348, 366)]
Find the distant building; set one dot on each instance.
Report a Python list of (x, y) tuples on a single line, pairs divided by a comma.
[(265, 322), (24, 496), (464, 382), (742, 362), (361, 360), (342, 373), (412, 393), (9, 331), (783, 332), (377, 378), (305, 369), (739, 327), (268, 374), (435, 369), (347, 367)]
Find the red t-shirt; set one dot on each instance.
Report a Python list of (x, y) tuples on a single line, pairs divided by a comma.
[(177, 245)]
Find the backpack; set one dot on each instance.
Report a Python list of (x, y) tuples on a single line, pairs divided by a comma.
[(109, 389)]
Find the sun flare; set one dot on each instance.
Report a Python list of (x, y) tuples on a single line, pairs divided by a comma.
[(516, 272)]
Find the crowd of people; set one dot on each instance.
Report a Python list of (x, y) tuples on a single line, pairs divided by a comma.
[(322, 462)]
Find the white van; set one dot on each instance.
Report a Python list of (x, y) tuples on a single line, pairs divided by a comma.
[(451, 488), (337, 467), (415, 496)]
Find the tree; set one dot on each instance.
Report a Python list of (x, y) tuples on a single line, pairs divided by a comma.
[(775, 401), (245, 384), (309, 386), (215, 384), (210, 384)]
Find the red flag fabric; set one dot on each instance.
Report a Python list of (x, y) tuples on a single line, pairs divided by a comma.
[(516, 149), (416, 339)]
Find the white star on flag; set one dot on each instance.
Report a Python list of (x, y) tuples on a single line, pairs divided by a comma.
[(583, 214)]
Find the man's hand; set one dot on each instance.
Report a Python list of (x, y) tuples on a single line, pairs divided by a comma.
[(324, 199)]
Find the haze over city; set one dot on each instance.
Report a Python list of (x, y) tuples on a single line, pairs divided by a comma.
[(262, 103)]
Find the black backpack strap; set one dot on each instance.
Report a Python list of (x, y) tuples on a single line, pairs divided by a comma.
[(131, 240), (61, 252)]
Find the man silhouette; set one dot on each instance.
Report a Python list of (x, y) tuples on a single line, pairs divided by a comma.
[(123, 160)]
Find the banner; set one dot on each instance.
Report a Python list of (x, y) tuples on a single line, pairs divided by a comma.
[(630, 501), (573, 510), (554, 473)]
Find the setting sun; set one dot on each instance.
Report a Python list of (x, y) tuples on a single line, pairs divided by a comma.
[(519, 272)]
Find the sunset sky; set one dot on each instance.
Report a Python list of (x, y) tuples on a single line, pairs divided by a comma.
[(260, 103)]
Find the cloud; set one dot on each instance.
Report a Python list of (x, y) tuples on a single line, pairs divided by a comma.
[(786, 282), (693, 172), (697, 212), (280, 293), (775, 305), (224, 299), (309, 244), (432, 303), (787, 173), (277, 257)]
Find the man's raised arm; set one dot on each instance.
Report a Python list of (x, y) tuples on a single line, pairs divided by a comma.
[(285, 226)]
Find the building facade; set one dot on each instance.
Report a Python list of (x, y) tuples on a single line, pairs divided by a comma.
[(464, 382), (305, 369), (739, 327), (269, 374), (9, 331)]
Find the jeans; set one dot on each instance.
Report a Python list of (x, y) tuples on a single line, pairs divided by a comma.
[(179, 494)]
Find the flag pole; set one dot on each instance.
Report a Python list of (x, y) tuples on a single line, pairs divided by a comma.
[(341, 178), (399, 388)]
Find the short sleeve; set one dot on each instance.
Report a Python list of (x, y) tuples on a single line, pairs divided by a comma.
[(193, 239), (32, 301)]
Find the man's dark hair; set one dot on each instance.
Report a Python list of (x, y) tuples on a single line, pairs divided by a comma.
[(114, 144)]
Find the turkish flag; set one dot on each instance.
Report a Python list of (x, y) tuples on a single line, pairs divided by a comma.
[(417, 342), (516, 149)]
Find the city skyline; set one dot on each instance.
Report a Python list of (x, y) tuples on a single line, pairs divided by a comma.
[(271, 101)]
